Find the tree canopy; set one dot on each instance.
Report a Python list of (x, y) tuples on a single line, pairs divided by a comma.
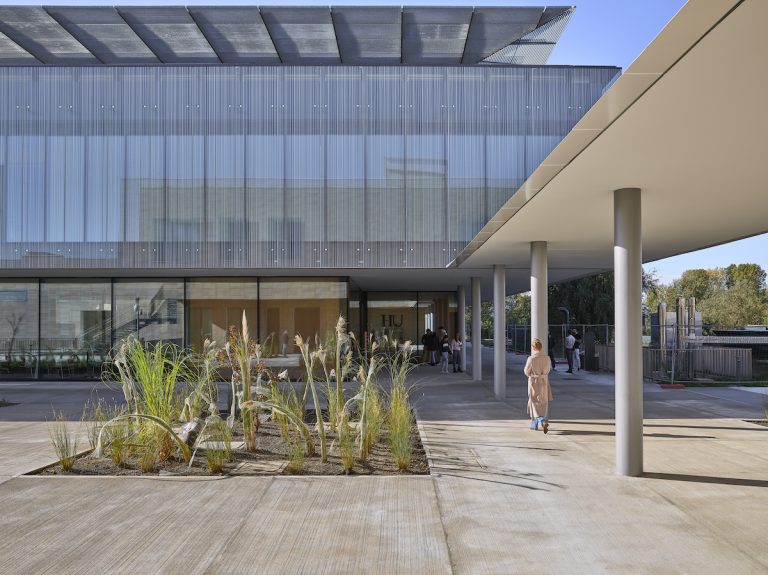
[(729, 297)]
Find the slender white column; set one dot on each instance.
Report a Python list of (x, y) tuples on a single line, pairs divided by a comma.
[(477, 346), (627, 265), (499, 333), (539, 307), (462, 296)]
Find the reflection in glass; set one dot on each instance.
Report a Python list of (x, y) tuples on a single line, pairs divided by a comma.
[(152, 309), (393, 314), (291, 306), (438, 310), (18, 329), (222, 167), (215, 306), (75, 328)]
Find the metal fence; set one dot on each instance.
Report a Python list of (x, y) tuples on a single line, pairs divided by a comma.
[(719, 354), (679, 365), (519, 336)]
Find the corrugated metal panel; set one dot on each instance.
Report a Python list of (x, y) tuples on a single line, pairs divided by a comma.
[(104, 33), (495, 27), (368, 34), (33, 29), (309, 35), (170, 32), (535, 47), (237, 33), (435, 35), (227, 167), (302, 34), (12, 53)]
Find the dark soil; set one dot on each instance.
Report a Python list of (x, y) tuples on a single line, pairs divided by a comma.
[(4, 403), (269, 459), (763, 422)]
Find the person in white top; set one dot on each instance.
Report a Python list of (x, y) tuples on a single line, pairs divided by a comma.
[(576, 351), (539, 392), (570, 341)]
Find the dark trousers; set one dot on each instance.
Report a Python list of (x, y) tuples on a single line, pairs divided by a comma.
[(569, 357), (552, 357)]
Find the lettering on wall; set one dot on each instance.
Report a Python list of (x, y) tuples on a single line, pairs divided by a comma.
[(391, 320)]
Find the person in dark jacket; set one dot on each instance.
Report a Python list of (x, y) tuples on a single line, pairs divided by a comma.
[(425, 345), (432, 343), (445, 352), (551, 349)]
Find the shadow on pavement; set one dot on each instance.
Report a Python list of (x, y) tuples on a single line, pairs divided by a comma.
[(707, 479)]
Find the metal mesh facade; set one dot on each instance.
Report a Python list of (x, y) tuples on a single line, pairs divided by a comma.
[(219, 167)]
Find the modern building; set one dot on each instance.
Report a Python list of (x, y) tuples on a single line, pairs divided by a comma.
[(163, 169)]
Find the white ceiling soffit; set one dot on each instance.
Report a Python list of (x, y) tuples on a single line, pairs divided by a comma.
[(686, 124)]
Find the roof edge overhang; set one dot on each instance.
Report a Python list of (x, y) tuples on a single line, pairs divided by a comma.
[(275, 35), (683, 123)]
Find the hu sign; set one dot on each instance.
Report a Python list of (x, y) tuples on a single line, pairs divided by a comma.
[(391, 320)]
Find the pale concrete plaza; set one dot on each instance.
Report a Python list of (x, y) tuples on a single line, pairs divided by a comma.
[(502, 498)]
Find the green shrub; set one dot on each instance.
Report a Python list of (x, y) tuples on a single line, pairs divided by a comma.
[(148, 453), (64, 441), (373, 414), (400, 420), (119, 434), (346, 447), (295, 453)]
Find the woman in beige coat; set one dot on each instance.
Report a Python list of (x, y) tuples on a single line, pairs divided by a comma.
[(539, 393)]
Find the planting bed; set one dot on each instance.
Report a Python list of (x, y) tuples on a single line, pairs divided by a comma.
[(271, 458)]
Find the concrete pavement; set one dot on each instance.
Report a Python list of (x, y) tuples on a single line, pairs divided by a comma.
[(517, 501), (502, 498)]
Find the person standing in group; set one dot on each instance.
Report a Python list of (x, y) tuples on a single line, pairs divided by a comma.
[(456, 344), (432, 344), (570, 341), (537, 369), (576, 350), (445, 351), (551, 349), (425, 342)]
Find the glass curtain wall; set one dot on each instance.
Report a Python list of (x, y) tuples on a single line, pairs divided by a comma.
[(438, 310), (196, 167), (407, 315), (75, 327), (291, 306), (80, 322), (215, 306), (153, 310), (19, 323), (395, 315)]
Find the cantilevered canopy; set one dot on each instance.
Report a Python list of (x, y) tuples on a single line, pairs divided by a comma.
[(357, 35), (686, 123)]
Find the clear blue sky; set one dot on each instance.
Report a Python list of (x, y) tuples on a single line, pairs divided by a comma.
[(609, 32)]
